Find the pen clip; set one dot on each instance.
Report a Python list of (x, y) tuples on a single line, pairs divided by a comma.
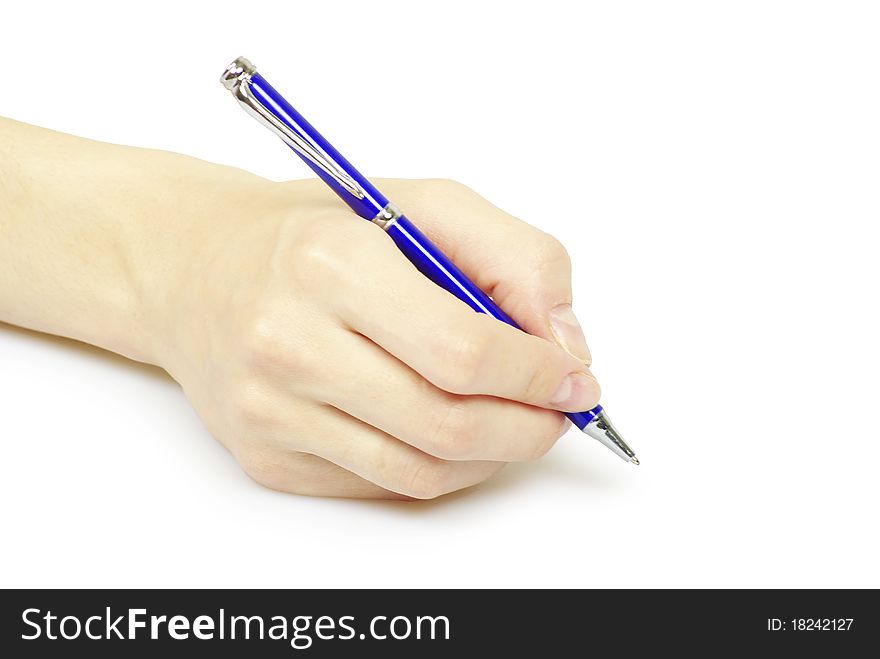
[(237, 79)]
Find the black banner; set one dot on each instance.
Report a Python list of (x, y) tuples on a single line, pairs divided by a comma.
[(317, 623)]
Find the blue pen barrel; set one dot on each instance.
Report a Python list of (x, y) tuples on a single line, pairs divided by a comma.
[(437, 267)]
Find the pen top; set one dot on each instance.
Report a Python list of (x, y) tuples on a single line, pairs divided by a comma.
[(241, 69)]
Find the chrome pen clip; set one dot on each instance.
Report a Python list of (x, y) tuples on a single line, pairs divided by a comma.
[(237, 79)]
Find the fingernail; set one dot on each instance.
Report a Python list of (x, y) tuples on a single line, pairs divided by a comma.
[(577, 392), (568, 333)]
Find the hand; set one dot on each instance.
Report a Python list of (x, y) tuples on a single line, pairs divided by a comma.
[(307, 343), (328, 365)]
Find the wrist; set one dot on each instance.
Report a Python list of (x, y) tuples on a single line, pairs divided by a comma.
[(103, 243), (177, 251)]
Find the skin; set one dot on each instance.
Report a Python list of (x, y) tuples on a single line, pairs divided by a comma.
[(309, 346)]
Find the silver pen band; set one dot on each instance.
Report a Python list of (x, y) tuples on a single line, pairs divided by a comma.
[(386, 217)]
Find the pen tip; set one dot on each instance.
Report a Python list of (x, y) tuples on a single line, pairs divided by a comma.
[(634, 460)]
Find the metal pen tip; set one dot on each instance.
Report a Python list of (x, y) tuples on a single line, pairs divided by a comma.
[(602, 429)]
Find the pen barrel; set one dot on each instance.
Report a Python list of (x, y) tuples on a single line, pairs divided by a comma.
[(437, 267)]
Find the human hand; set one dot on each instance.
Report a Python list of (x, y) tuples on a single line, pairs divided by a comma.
[(308, 344), (328, 365)]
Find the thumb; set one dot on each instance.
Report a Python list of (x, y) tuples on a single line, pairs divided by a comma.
[(526, 271)]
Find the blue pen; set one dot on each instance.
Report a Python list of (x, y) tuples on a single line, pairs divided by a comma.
[(265, 104)]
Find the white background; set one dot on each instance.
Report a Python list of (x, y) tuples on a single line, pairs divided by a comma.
[(713, 169)]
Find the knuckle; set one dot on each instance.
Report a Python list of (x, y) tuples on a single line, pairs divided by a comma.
[(462, 360), (250, 403), (318, 258), (261, 340), (427, 479), (455, 434), (317, 253), (270, 346), (548, 250)]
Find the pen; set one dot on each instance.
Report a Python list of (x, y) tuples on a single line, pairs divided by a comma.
[(266, 105)]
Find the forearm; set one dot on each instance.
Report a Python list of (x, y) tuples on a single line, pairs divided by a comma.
[(90, 234)]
